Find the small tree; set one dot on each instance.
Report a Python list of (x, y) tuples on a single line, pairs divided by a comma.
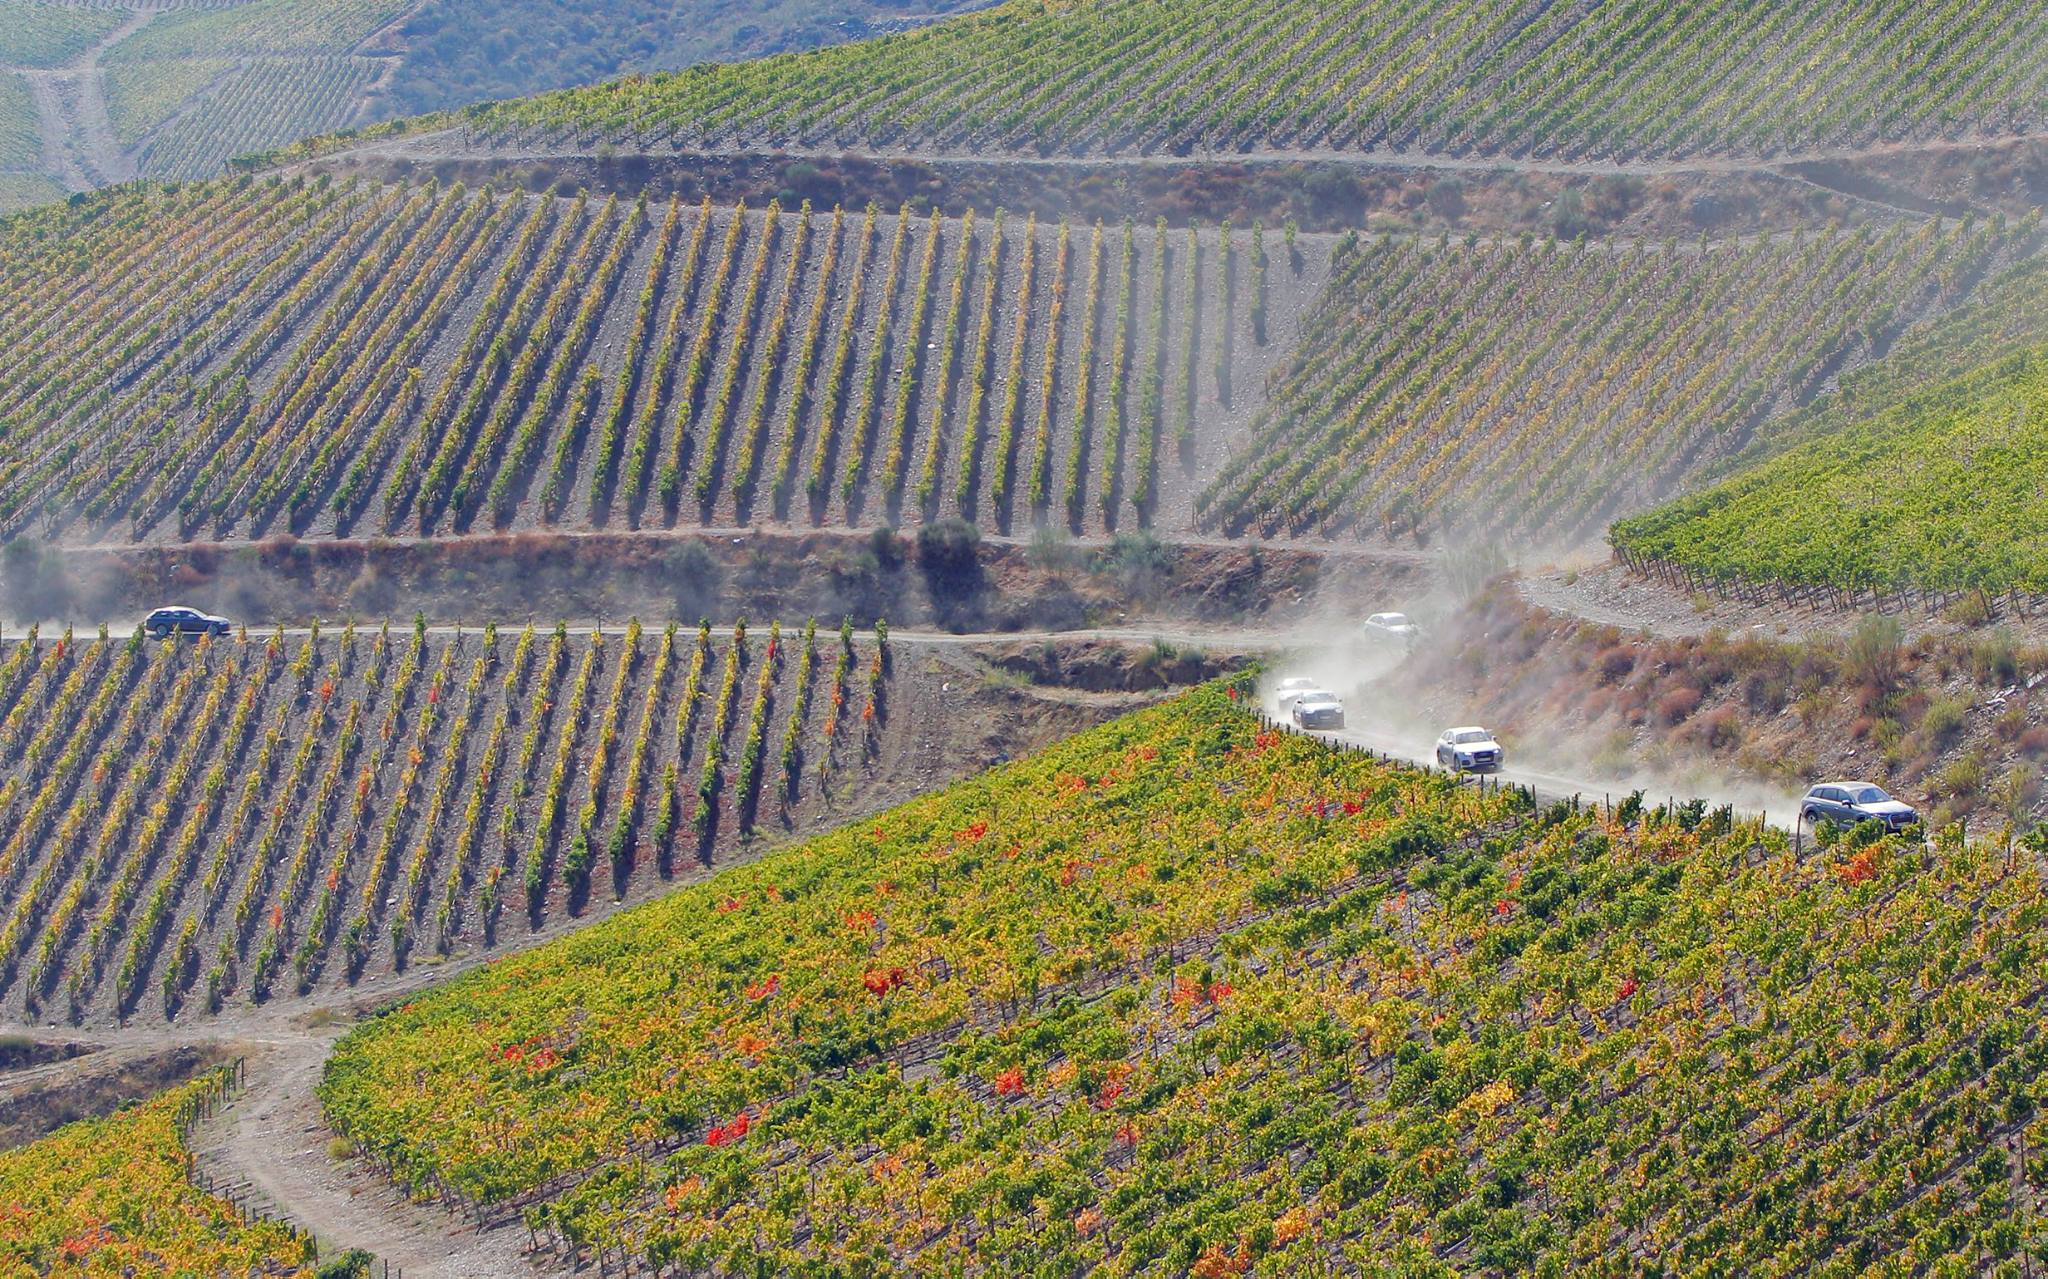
[(1876, 651)]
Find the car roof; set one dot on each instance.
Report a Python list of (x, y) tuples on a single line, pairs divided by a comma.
[(1846, 785), (1469, 728), (1297, 681)]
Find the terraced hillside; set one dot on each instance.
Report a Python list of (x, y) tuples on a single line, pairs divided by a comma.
[(1183, 995), (1465, 77), (1539, 388), (247, 358), (199, 824), (1940, 492), (250, 358), (97, 91), (1920, 474)]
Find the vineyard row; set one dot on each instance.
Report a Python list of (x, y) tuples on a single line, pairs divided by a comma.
[(237, 819), (328, 358)]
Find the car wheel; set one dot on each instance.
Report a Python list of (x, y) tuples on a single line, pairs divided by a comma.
[(1810, 817)]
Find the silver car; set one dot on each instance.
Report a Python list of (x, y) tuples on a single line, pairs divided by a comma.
[(1469, 750), (1318, 709), (1291, 690), (1392, 626), (1852, 803)]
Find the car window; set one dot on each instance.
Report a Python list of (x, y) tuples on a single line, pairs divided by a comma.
[(1867, 795), (1834, 795)]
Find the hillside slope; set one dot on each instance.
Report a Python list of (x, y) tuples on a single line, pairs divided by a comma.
[(335, 358), (1936, 488), (177, 88), (111, 1196), (1918, 473), (195, 825), (260, 356), (1184, 996), (1532, 391), (1454, 77)]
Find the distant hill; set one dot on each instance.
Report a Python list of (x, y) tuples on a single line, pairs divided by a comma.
[(93, 94), (1610, 82)]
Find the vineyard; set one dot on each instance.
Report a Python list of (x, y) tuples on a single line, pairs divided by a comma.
[(112, 1196), (245, 358), (35, 34), (255, 106), (1940, 492), (1511, 387), (2006, 316), (1463, 77), (261, 27), (21, 135), (194, 824), (1188, 996), (196, 87), (1919, 473)]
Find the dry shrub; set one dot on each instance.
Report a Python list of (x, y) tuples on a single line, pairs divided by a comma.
[(1719, 729), (2035, 741), (1677, 705), (1616, 664)]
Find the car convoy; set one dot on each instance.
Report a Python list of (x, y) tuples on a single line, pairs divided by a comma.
[(1312, 707)]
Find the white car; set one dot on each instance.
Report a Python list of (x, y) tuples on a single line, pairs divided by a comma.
[(1392, 626), (1289, 691), (1318, 708), (1469, 750)]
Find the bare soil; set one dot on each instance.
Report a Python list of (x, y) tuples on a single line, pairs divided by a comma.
[(1066, 584), (1601, 590), (84, 1081), (1319, 192)]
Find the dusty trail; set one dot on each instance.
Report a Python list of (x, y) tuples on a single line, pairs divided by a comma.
[(79, 147), (59, 162), (458, 143), (270, 1146)]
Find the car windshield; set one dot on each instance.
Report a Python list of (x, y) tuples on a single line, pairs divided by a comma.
[(1471, 735), (1866, 795)]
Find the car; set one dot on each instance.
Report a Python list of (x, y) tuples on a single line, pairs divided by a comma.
[(1289, 691), (186, 621), (1318, 708), (1469, 750), (1853, 803), (1392, 626)]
